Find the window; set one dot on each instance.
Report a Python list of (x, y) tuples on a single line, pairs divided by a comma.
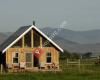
[(15, 58), (18, 44), (46, 43), (36, 39), (48, 57), (28, 39)]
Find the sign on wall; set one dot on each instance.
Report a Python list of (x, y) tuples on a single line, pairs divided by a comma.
[(38, 52)]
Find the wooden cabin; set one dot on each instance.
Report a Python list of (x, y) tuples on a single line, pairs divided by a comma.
[(29, 49)]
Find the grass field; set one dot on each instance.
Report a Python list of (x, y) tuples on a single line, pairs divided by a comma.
[(85, 72)]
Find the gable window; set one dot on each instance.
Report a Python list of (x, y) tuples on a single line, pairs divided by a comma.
[(15, 58), (28, 39), (46, 43), (18, 44), (36, 39), (48, 57)]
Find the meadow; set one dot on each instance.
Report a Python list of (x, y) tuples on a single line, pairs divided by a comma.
[(87, 71)]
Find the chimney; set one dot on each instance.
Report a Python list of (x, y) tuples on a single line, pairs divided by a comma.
[(34, 23)]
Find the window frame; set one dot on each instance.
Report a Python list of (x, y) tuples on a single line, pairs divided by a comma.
[(13, 56), (50, 56)]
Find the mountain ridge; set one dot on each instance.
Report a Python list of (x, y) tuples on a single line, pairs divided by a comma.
[(82, 37)]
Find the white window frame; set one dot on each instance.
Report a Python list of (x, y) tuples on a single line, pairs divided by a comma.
[(13, 54), (47, 57)]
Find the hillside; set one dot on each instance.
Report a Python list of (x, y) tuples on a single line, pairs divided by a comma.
[(77, 41), (82, 37), (2, 37)]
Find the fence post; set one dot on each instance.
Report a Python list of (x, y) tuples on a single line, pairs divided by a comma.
[(67, 63), (79, 64)]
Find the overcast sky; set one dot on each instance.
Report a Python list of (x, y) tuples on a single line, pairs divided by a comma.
[(79, 14)]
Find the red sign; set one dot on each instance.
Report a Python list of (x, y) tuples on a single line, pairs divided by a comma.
[(38, 52)]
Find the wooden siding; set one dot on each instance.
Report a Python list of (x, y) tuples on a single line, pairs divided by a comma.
[(22, 57)]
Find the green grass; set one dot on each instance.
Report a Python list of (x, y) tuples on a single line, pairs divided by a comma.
[(51, 76), (86, 72)]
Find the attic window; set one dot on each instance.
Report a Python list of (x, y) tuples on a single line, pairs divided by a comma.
[(28, 39), (46, 43), (36, 39), (18, 43)]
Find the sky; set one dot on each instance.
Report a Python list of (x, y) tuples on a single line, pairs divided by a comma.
[(80, 15)]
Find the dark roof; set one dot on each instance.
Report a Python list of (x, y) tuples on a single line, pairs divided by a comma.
[(14, 36)]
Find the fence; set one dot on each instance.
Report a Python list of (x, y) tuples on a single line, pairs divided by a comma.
[(79, 64), (73, 62), (75, 65)]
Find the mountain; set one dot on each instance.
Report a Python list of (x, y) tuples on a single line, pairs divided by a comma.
[(76, 47), (7, 34), (2, 37), (82, 37), (76, 41)]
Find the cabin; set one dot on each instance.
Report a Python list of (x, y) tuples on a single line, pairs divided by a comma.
[(29, 49)]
